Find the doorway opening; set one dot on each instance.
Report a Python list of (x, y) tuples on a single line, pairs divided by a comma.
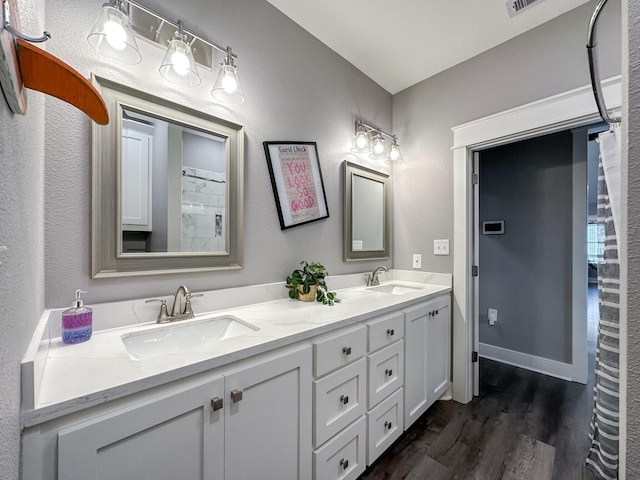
[(536, 248)]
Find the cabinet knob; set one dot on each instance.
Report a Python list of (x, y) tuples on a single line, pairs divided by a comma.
[(346, 350), (391, 332), (344, 399), (236, 395), (216, 403), (388, 425), (388, 372), (344, 463)]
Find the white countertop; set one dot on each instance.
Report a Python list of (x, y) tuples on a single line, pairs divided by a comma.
[(73, 377)]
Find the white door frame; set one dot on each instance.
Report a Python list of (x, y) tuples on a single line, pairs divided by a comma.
[(560, 112)]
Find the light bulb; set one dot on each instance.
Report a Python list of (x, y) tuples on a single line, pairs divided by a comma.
[(361, 140), (115, 34), (180, 63), (394, 153), (379, 146), (229, 83)]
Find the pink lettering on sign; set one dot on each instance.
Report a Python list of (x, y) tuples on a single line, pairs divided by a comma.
[(299, 183)]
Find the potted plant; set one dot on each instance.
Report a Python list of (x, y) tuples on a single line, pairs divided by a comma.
[(308, 283)]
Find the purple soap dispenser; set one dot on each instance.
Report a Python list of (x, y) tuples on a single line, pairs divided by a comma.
[(77, 322)]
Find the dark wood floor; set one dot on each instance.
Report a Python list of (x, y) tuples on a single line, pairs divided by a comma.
[(523, 425)]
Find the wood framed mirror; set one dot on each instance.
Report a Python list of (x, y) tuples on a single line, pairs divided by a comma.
[(367, 213), (167, 187)]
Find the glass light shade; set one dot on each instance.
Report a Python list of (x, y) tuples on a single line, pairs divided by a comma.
[(178, 65), (379, 149), (361, 143), (112, 36), (394, 153), (227, 87)]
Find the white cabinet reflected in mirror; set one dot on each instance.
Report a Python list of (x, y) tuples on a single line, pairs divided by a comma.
[(367, 213), (168, 187)]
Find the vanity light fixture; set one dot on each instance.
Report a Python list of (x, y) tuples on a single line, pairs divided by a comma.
[(184, 49), (178, 65), (112, 35), (394, 152), (227, 87), (379, 148), (370, 139), (362, 143)]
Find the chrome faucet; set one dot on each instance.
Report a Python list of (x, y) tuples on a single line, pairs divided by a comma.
[(177, 313), (372, 279), (177, 303)]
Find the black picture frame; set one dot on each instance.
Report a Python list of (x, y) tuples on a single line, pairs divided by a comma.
[(296, 179)]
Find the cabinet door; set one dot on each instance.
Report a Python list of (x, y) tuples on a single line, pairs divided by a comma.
[(415, 364), (176, 435), (268, 418), (438, 349), (136, 177)]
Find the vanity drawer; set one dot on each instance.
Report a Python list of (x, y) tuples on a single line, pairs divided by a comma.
[(343, 457), (339, 399), (331, 353), (384, 425), (385, 330), (385, 370)]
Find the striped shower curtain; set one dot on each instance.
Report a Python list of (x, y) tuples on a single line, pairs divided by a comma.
[(604, 432)]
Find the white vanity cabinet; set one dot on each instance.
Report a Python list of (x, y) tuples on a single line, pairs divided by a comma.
[(339, 399), (385, 378), (251, 418), (427, 356)]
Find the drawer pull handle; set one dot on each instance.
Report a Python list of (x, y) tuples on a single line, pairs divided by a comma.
[(391, 332), (236, 395), (216, 403), (344, 399), (346, 350), (344, 463), (388, 425), (388, 372)]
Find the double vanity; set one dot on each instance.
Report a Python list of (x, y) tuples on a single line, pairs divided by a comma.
[(259, 387)]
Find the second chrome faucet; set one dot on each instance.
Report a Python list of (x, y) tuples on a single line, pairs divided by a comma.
[(372, 278)]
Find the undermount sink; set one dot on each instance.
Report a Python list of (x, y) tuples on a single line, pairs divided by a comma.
[(394, 289), (192, 336)]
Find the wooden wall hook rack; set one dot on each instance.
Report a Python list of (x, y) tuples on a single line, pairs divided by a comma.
[(25, 65)]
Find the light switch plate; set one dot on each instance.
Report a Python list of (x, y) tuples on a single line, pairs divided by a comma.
[(417, 260), (441, 247)]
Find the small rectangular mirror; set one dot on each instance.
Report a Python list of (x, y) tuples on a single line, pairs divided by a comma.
[(367, 213), (167, 187)]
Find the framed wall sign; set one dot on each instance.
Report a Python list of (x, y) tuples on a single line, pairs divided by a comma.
[(297, 182)]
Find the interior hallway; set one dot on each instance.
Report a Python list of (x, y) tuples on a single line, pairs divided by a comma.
[(523, 425)]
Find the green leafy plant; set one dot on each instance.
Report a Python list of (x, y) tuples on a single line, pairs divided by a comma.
[(310, 274)]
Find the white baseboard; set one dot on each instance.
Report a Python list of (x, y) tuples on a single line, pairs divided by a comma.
[(546, 366)]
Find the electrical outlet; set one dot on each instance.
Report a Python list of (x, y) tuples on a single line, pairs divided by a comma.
[(493, 316), (417, 260), (441, 247)]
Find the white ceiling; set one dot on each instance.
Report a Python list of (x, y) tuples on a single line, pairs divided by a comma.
[(400, 43)]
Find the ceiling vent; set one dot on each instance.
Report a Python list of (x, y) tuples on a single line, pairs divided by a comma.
[(514, 7)]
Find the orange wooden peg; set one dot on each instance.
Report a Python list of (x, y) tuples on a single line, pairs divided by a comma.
[(45, 73)]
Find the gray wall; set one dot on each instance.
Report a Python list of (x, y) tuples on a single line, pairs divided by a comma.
[(296, 89), (632, 114), (526, 274), (548, 60), (22, 263)]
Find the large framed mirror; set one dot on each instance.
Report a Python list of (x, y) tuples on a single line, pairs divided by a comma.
[(367, 213), (167, 187)]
